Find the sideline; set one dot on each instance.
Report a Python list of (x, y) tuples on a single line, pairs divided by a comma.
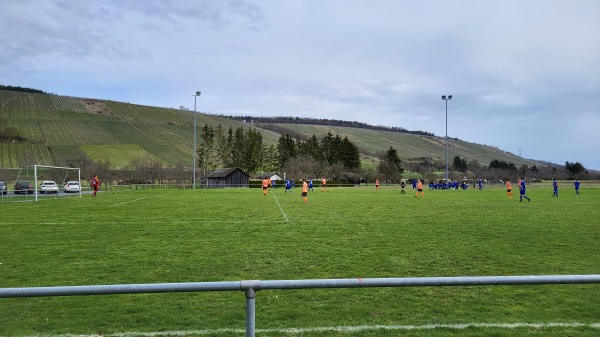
[(281, 209), (342, 329)]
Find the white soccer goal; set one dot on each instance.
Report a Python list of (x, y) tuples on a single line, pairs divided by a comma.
[(43, 176)]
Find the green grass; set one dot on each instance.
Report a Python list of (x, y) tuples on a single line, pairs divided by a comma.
[(119, 155), (160, 236), (60, 122)]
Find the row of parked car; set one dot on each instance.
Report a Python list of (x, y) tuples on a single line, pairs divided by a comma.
[(47, 186)]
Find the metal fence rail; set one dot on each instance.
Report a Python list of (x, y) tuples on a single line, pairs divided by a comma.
[(250, 287)]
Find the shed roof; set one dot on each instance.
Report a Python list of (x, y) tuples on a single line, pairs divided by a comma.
[(224, 172)]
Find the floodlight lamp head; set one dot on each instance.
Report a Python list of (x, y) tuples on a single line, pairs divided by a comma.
[(444, 97), (449, 96), (198, 93)]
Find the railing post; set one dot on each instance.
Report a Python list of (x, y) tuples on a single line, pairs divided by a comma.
[(250, 312), (250, 287)]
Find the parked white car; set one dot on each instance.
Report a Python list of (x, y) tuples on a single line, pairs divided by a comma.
[(72, 187), (48, 186)]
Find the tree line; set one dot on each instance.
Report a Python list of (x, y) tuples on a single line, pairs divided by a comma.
[(20, 89), (331, 156), (321, 121), (244, 148), (499, 169)]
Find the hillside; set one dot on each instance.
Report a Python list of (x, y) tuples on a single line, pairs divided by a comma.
[(411, 146), (61, 129)]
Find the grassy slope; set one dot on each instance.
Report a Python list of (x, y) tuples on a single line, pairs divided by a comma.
[(53, 123), (205, 235), (412, 146)]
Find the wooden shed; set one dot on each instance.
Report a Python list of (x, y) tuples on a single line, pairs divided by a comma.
[(226, 178)]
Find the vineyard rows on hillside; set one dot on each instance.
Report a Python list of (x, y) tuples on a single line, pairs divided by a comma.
[(19, 155), (167, 153), (64, 124), (147, 115), (63, 155), (65, 103)]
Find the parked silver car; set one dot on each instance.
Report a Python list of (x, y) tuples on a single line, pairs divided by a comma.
[(48, 186), (72, 186), (3, 188)]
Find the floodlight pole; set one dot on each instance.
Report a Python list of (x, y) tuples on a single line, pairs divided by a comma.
[(194, 164), (449, 97)]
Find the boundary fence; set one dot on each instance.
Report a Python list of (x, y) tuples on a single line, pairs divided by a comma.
[(250, 287)]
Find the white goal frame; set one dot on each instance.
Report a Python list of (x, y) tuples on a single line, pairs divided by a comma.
[(35, 177)]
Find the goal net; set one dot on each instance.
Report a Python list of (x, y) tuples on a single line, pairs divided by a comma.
[(40, 181)]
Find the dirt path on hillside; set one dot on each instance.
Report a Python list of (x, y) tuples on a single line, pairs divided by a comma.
[(97, 107)]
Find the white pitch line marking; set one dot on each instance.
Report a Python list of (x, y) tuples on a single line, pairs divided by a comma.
[(123, 222), (281, 209), (125, 202), (342, 329)]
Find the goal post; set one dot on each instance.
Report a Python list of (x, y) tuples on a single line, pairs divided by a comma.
[(60, 175)]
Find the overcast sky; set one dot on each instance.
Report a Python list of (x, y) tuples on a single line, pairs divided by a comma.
[(524, 74)]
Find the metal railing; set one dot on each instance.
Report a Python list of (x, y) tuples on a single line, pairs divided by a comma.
[(250, 287)]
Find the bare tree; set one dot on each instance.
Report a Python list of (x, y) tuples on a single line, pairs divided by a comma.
[(179, 172), (334, 171), (155, 170), (303, 167), (143, 170), (105, 171)]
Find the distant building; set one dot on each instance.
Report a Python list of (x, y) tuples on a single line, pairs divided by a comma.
[(226, 178), (275, 177), (270, 175)]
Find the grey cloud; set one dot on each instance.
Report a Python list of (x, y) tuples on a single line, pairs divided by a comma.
[(511, 66), (61, 28), (73, 28), (219, 14)]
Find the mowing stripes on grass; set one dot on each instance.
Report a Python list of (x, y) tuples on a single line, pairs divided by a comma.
[(281, 209), (358, 328)]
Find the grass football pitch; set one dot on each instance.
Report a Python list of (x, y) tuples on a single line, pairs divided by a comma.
[(162, 236)]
